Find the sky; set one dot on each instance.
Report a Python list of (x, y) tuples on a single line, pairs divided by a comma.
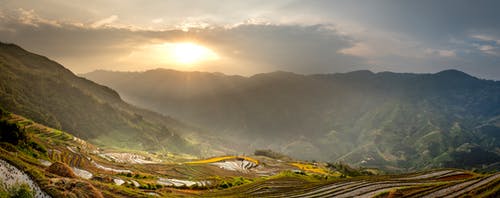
[(246, 37)]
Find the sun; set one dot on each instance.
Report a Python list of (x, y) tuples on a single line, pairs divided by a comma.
[(190, 53), (180, 55)]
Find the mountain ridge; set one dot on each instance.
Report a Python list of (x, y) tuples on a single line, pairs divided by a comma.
[(365, 72), (351, 116)]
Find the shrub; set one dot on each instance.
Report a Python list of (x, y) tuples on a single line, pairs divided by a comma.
[(345, 169), (37, 147), (225, 184), (3, 112), (236, 181), (21, 191), (8, 146), (11, 133)]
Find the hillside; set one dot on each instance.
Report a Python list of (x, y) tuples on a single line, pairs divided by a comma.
[(43, 90), (397, 121), (53, 163)]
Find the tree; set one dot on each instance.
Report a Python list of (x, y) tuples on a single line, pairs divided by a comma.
[(11, 133)]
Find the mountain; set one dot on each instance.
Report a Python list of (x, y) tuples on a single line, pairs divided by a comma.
[(399, 121), (43, 90)]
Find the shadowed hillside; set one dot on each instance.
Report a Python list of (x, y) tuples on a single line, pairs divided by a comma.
[(43, 90)]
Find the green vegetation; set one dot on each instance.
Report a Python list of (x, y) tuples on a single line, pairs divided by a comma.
[(272, 154), (11, 133), (348, 171), (13, 138), (232, 182), (18, 191)]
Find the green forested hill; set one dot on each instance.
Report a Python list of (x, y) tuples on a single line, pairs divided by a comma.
[(43, 90), (391, 120)]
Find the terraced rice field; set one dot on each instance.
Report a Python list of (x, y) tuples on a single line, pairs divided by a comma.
[(129, 158), (441, 183), (124, 174), (223, 158), (235, 165)]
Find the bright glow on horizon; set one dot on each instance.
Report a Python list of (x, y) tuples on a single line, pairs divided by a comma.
[(176, 55), (190, 53)]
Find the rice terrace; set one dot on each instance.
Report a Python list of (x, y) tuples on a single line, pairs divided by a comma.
[(225, 176), (249, 98)]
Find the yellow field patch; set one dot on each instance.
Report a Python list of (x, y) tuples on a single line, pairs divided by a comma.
[(310, 168), (218, 159)]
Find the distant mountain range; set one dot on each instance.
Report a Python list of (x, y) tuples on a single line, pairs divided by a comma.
[(391, 120), (43, 90)]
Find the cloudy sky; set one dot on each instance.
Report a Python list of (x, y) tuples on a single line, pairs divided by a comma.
[(252, 36)]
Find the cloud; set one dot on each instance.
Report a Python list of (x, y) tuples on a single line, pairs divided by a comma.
[(190, 23), (157, 20), (360, 49), (244, 49), (78, 46), (447, 53), (485, 47), (486, 38), (488, 49), (440, 52), (105, 21), (29, 17)]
